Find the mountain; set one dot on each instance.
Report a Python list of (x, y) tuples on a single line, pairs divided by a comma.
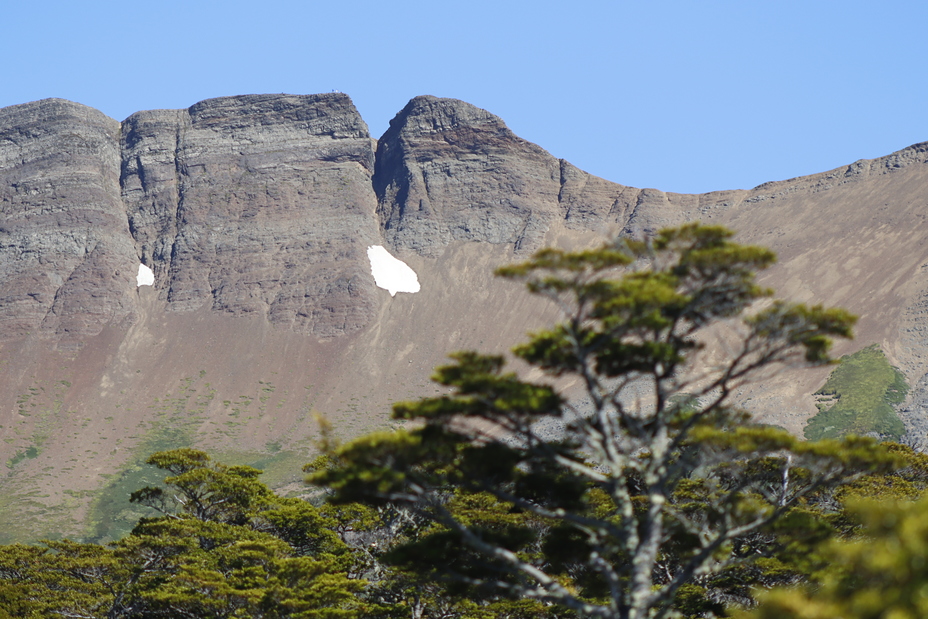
[(255, 214)]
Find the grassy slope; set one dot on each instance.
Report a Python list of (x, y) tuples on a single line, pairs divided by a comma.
[(180, 415), (858, 398)]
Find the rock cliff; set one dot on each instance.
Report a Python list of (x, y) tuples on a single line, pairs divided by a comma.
[(67, 261), (448, 171), (264, 205), (247, 205), (256, 205)]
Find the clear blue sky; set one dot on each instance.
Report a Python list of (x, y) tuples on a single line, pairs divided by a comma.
[(684, 95)]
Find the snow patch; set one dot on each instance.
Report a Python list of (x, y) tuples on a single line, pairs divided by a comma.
[(145, 277), (390, 273)]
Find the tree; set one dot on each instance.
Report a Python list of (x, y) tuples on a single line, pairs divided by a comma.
[(879, 575), (224, 546), (875, 567), (386, 535), (623, 486)]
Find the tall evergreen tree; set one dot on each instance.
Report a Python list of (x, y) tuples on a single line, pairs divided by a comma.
[(625, 486)]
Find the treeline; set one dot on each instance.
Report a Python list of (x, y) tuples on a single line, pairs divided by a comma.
[(226, 546), (623, 486)]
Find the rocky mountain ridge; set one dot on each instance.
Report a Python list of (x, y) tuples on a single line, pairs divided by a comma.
[(255, 213), (264, 204), (242, 203)]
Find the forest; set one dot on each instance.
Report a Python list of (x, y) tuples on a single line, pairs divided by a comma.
[(623, 484)]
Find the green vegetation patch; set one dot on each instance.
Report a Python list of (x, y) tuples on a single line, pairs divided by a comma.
[(858, 398), (112, 515), (177, 423), (280, 467), (31, 452)]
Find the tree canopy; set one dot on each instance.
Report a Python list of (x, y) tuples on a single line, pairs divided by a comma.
[(625, 485), (225, 546), (879, 574)]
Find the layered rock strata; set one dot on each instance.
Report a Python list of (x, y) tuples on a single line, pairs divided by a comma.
[(67, 260), (264, 205), (256, 205), (448, 171)]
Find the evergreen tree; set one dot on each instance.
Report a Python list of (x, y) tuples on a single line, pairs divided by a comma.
[(880, 574), (225, 546), (625, 486)]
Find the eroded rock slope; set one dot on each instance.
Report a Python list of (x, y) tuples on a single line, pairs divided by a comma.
[(264, 205), (246, 205), (449, 171)]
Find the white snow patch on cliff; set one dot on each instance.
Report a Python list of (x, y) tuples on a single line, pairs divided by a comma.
[(391, 273), (145, 277)]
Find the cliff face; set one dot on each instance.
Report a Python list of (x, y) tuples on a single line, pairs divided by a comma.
[(448, 171), (256, 205), (246, 205), (67, 263), (264, 205)]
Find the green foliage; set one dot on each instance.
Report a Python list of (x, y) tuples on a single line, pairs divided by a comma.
[(858, 398), (112, 514), (225, 546), (650, 496), (175, 420), (878, 575)]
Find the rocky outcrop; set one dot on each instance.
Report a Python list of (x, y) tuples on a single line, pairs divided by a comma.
[(67, 261), (256, 205), (264, 205), (449, 171)]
